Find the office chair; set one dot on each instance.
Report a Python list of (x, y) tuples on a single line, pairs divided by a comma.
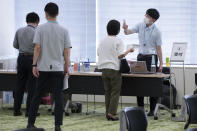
[(183, 116), (67, 104), (31, 129), (133, 119), (166, 70), (192, 129), (191, 104), (196, 78), (195, 91)]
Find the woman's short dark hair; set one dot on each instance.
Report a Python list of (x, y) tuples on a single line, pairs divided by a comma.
[(113, 27), (51, 9), (153, 13), (32, 17)]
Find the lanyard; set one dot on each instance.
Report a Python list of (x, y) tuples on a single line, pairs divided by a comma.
[(147, 40)]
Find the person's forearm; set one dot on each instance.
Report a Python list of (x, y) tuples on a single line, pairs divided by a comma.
[(36, 54), (67, 57), (124, 54), (159, 53)]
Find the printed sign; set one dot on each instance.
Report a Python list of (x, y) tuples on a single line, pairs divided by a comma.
[(178, 51)]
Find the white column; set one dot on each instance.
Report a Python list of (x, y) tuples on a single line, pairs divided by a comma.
[(7, 28)]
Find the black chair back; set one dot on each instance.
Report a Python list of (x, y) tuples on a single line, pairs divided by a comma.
[(191, 103), (136, 119), (97, 70), (192, 129), (166, 70)]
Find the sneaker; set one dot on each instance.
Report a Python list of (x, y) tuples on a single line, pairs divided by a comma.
[(67, 114), (57, 128), (17, 113), (49, 110)]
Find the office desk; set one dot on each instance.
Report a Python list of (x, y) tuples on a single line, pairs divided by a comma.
[(8, 80), (132, 84), (91, 83)]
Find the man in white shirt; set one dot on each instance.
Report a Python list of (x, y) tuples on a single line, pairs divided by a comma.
[(110, 51), (150, 47)]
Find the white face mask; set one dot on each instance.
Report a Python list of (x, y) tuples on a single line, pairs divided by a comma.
[(147, 20)]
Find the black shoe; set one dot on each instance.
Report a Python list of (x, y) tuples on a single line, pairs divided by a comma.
[(26, 114), (31, 126), (17, 113), (49, 110), (112, 118), (67, 114), (151, 113), (57, 128)]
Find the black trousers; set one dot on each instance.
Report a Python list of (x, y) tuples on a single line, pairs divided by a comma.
[(25, 80), (140, 99), (56, 83)]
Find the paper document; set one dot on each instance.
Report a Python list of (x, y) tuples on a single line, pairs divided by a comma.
[(65, 86)]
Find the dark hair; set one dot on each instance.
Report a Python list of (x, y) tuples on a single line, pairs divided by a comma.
[(113, 27), (153, 13), (32, 17), (51, 9)]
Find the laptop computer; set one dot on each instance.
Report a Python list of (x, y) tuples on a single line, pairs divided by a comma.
[(139, 67)]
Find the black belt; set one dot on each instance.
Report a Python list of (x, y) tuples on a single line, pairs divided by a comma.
[(149, 55), (26, 54)]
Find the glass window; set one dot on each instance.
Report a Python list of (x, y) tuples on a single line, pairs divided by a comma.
[(78, 16), (177, 22)]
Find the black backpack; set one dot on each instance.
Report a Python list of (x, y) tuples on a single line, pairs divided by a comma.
[(124, 66), (76, 107)]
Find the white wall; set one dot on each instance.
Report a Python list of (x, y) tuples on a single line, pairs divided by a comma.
[(7, 28), (189, 81)]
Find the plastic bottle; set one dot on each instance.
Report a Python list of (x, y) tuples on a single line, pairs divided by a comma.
[(87, 65), (7, 97), (167, 61), (76, 65)]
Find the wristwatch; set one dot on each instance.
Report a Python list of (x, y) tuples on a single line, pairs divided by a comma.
[(34, 65)]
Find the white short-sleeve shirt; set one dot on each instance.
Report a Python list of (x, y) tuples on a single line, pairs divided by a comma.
[(149, 38), (108, 51)]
